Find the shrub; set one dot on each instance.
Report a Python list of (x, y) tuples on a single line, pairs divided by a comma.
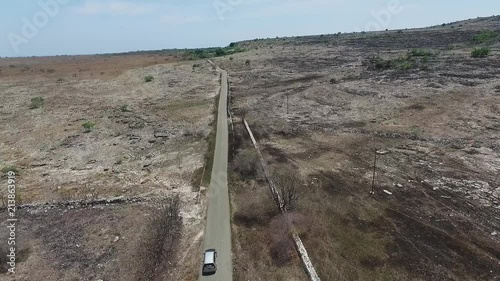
[(246, 163), (421, 53), (282, 251), (124, 108), (405, 65), (254, 210), (351, 76), (380, 63), (402, 63), (88, 126), (262, 130), (36, 102), (148, 78), (485, 36), (416, 132), (220, 52), (194, 133), (333, 81), (480, 52), (10, 168), (247, 62), (199, 54), (416, 106)]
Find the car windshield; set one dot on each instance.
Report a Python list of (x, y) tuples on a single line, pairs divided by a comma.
[(209, 257)]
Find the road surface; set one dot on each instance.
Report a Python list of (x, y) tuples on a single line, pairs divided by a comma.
[(218, 228)]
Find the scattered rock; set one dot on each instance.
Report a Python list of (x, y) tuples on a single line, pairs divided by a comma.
[(496, 192), (136, 125), (160, 134)]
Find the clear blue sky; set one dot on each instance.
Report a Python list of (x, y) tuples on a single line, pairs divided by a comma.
[(62, 27)]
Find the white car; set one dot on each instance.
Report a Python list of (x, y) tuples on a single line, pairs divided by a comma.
[(209, 262)]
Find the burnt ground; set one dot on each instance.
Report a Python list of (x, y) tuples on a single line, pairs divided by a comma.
[(434, 118)]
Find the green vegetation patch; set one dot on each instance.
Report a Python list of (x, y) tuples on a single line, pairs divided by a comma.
[(485, 36), (36, 102), (401, 63), (480, 52), (10, 168), (206, 53), (416, 58), (88, 126), (422, 53)]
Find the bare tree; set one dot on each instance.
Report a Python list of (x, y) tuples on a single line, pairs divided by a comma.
[(288, 183), (161, 240)]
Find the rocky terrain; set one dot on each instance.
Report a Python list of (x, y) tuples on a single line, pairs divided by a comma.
[(95, 156)]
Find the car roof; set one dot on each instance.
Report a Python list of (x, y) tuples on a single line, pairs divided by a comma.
[(209, 256)]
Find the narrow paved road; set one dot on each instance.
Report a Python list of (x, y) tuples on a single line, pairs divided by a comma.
[(218, 228)]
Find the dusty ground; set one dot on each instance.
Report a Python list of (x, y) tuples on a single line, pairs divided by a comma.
[(149, 142), (81, 67), (435, 213)]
